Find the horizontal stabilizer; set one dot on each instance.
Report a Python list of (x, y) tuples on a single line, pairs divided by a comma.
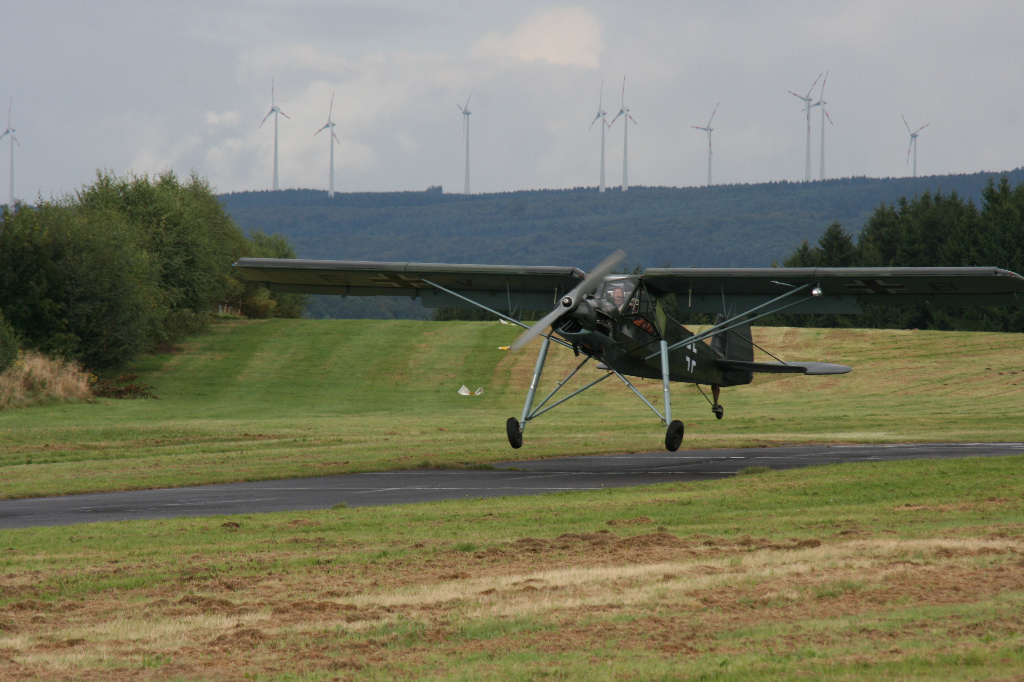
[(784, 367)]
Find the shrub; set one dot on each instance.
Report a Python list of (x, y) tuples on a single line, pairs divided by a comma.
[(34, 379), (8, 344)]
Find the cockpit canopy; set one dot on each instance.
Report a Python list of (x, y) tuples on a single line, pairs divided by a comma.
[(617, 290)]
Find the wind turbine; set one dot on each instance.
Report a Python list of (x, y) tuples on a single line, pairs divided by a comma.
[(10, 131), (708, 130), (275, 110), (913, 141), (824, 114), (807, 111), (624, 111), (332, 138), (601, 113), (465, 128)]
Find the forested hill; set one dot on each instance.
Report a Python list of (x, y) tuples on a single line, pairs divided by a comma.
[(721, 226)]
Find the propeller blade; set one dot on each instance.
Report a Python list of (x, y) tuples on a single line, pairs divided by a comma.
[(587, 286)]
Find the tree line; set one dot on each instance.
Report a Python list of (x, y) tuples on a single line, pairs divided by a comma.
[(124, 265), (931, 230)]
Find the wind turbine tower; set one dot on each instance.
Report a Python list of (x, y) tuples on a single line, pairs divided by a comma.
[(807, 111), (10, 131), (465, 128), (601, 113), (913, 141), (275, 110), (627, 117), (708, 130), (332, 138), (824, 114)]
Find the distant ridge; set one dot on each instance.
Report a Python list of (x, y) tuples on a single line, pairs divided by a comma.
[(718, 226)]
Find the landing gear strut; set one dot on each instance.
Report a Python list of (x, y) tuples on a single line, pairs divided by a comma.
[(717, 409)]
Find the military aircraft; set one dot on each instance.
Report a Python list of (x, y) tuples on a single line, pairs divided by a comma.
[(621, 320)]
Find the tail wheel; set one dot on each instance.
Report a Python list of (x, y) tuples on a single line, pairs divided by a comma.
[(515, 436), (674, 435), (719, 411)]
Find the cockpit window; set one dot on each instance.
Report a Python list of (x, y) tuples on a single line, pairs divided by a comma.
[(618, 292)]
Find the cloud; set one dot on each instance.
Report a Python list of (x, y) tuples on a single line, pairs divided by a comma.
[(560, 36)]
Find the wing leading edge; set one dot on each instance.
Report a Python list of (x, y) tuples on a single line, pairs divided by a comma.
[(501, 287)]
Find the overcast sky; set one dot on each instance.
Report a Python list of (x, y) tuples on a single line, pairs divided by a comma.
[(146, 86)]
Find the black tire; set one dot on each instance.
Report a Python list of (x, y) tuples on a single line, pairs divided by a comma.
[(515, 436), (674, 435), (719, 411)]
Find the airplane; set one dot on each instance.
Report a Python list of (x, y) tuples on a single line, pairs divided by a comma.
[(620, 320)]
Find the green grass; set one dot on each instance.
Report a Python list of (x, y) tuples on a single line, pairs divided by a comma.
[(907, 570), (284, 398)]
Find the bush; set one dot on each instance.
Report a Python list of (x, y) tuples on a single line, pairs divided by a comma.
[(8, 344), (34, 379), (77, 284)]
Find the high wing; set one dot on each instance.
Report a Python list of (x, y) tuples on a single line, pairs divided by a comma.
[(502, 287), (834, 290)]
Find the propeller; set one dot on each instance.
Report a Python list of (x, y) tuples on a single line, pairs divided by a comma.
[(572, 299)]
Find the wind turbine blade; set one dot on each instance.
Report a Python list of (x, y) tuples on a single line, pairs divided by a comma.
[(283, 114), (587, 286), (623, 92), (272, 92), (596, 118), (321, 129), (467, 100), (906, 124), (335, 137), (630, 117), (922, 128), (909, 148), (713, 115), (828, 117), (821, 95), (331, 109), (266, 117), (600, 97), (812, 86)]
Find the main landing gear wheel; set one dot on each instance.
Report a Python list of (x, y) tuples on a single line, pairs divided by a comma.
[(515, 436), (674, 435), (719, 411)]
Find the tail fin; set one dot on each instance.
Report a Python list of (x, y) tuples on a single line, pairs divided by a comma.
[(735, 344)]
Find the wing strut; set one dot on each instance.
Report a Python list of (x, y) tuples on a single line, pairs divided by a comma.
[(510, 320), (741, 319)]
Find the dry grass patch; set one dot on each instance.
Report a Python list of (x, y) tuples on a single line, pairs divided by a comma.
[(35, 379)]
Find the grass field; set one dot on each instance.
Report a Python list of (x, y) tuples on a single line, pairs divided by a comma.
[(902, 570), (285, 398)]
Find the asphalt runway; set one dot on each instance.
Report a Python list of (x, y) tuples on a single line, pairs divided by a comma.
[(509, 478)]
